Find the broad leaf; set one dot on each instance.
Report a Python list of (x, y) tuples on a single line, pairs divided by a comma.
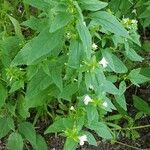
[(109, 23), (41, 144), (43, 44), (27, 130), (60, 21), (86, 39), (141, 105), (3, 95), (93, 5), (114, 62), (137, 78), (15, 141)]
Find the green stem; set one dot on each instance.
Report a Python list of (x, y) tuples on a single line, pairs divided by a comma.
[(132, 128), (127, 145)]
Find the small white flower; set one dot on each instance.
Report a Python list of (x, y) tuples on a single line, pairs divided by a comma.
[(134, 21), (134, 11), (94, 46), (105, 104), (84, 23), (82, 139), (125, 20), (87, 99), (72, 108), (91, 87), (103, 62)]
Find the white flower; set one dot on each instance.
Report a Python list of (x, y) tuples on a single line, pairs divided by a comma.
[(134, 21), (94, 46), (125, 20), (82, 139), (134, 11), (84, 23), (105, 104), (72, 108), (103, 62), (87, 99)]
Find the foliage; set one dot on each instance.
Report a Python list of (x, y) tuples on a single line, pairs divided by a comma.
[(71, 61)]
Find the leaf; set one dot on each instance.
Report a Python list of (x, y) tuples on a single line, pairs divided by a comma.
[(40, 46), (5, 126), (17, 27), (109, 23), (28, 131), (40, 4), (56, 75), (121, 101), (3, 95), (101, 129), (15, 141), (70, 144), (141, 105), (114, 62), (60, 125), (60, 21), (109, 87), (86, 39), (93, 5), (122, 87), (136, 78), (37, 84), (36, 24), (146, 45), (16, 86), (41, 144), (90, 138), (68, 91), (132, 55), (92, 114), (74, 54)]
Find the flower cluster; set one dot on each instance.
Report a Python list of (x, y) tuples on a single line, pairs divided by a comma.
[(129, 23)]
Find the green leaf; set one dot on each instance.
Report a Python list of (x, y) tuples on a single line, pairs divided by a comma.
[(6, 124), (90, 138), (141, 105), (57, 126), (28, 131), (114, 62), (92, 114), (101, 129), (109, 87), (86, 39), (122, 87), (15, 141), (136, 78), (146, 45), (60, 21), (17, 27), (74, 54), (3, 95), (40, 4), (41, 144), (68, 91), (132, 55), (109, 23), (93, 5), (37, 84), (56, 75), (120, 99), (16, 86), (70, 144), (60, 125), (40, 46), (36, 24)]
